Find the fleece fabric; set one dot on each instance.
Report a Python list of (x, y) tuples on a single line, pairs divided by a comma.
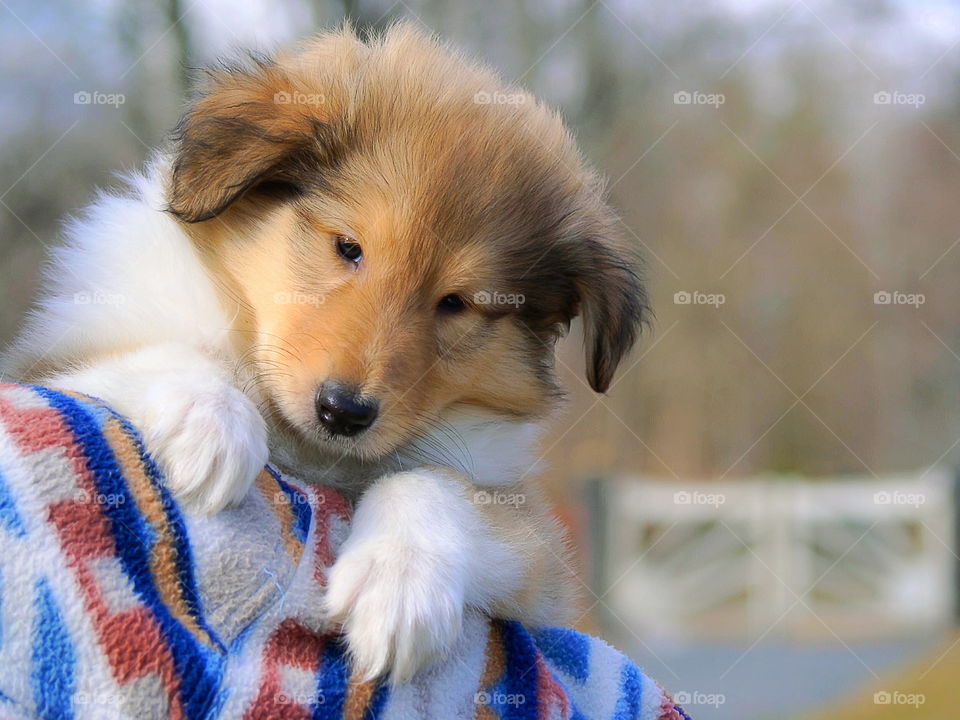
[(117, 604)]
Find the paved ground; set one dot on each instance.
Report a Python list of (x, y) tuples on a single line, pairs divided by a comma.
[(929, 689), (774, 680)]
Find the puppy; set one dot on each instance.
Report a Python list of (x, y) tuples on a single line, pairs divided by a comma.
[(358, 254)]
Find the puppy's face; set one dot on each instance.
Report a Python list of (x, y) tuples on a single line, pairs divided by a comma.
[(401, 235)]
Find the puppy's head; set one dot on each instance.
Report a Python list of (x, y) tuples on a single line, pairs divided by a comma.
[(402, 234)]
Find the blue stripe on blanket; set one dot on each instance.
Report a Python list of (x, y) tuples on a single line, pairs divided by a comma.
[(333, 678), (334, 684), (52, 676), (520, 679), (631, 693), (186, 575), (567, 649), (9, 517), (298, 505), (377, 702), (198, 668)]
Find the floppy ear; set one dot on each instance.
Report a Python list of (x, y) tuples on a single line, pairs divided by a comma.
[(613, 301), (245, 128)]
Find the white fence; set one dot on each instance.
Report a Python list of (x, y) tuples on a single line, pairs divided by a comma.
[(780, 555)]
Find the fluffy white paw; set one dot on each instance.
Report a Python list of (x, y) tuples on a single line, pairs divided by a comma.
[(399, 608), (398, 587), (206, 435)]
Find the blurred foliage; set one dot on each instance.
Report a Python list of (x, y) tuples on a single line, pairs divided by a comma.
[(797, 199)]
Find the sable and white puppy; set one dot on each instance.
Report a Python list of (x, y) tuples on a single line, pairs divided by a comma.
[(358, 254)]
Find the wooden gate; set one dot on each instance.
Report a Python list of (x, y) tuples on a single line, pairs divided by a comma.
[(779, 555)]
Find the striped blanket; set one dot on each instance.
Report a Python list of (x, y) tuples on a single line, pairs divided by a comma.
[(115, 604)]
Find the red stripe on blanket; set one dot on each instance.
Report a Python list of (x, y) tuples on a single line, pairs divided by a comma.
[(128, 660), (164, 556), (295, 645), (328, 504), (668, 709), (550, 693), (84, 535), (291, 645), (84, 530), (150, 654), (35, 429), (669, 712)]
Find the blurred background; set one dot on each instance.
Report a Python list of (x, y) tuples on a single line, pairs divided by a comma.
[(764, 503)]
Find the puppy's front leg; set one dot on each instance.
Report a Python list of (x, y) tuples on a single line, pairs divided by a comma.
[(207, 436), (424, 544)]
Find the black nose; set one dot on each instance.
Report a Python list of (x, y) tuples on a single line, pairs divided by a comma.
[(342, 411)]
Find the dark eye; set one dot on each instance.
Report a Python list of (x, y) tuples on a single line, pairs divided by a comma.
[(348, 249), (451, 304)]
